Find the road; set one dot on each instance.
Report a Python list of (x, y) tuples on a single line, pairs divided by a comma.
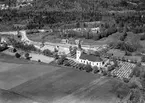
[(47, 44)]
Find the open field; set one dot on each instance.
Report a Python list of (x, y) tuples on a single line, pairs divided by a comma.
[(69, 86), (12, 74), (54, 84)]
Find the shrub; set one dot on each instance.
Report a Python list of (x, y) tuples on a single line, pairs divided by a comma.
[(125, 80), (27, 56), (61, 60), (133, 85), (109, 74), (47, 52), (104, 73), (88, 68), (2, 48), (143, 58), (56, 56), (14, 50), (66, 63), (127, 53), (80, 66), (17, 55), (96, 69), (110, 68)]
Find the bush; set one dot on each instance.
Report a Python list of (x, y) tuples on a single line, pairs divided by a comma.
[(47, 52), (125, 80), (27, 56), (61, 60), (143, 58), (88, 68), (56, 56), (17, 55), (104, 73), (66, 63), (96, 69), (2, 48), (110, 68), (39, 60), (128, 53), (133, 85), (109, 74), (14, 50), (80, 66)]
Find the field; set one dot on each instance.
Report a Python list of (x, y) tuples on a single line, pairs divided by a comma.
[(54, 84)]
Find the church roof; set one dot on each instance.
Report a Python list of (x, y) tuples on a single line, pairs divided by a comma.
[(90, 57)]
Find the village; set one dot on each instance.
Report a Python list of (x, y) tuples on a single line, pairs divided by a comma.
[(82, 57), (72, 51)]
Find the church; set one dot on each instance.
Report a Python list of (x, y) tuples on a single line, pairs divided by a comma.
[(85, 58)]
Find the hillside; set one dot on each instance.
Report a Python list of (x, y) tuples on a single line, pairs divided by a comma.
[(89, 5)]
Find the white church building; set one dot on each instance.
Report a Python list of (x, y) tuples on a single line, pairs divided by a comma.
[(90, 59)]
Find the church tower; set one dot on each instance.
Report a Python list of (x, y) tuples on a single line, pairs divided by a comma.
[(79, 49)]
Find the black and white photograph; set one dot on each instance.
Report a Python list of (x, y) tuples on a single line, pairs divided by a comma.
[(72, 51)]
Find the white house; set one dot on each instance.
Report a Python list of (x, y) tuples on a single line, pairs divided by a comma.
[(95, 30), (90, 59)]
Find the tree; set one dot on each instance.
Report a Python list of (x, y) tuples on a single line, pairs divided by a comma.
[(66, 63), (17, 55), (27, 56), (127, 53), (73, 51), (96, 69), (104, 73), (97, 53), (80, 66), (136, 71), (143, 58), (61, 60), (88, 68), (47, 52), (110, 68), (14, 50), (125, 80), (56, 56)]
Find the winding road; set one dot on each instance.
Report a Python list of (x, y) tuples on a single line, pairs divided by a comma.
[(48, 44)]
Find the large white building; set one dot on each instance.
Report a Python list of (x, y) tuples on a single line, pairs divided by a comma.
[(90, 59)]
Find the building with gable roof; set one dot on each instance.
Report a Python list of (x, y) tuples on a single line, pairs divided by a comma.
[(90, 59)]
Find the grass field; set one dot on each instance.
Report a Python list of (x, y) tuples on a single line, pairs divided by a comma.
[(12, 97), (51, 84)]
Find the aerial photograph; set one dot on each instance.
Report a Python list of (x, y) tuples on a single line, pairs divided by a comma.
[(72, 51)]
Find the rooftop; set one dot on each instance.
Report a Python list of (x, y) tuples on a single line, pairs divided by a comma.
[(90, 57)]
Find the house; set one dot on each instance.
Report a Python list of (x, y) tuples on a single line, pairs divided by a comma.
[(95, 30), (90, 59), (64, 41), (4, 39)]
